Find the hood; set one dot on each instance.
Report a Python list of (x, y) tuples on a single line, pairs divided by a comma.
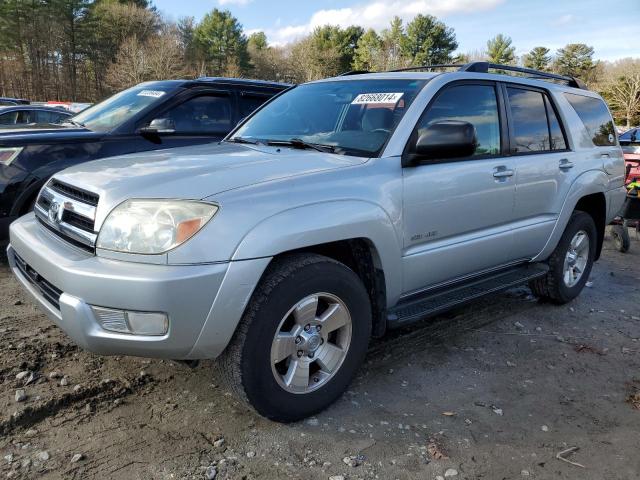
[(195, 172), (41, 134)]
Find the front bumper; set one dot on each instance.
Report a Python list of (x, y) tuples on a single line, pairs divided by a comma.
[(204, 302)]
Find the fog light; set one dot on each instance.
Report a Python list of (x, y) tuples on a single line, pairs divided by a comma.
[(137, 323), (148, 323)]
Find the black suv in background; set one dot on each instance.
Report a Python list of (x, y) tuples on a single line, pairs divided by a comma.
[(26, 116), (149, 116)]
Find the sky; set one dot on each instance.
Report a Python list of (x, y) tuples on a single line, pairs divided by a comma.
[(611, 27)]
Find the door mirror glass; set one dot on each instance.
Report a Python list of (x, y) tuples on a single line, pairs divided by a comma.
[(446, 139), (160, 126)]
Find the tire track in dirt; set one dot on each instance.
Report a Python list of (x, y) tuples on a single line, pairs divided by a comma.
[(106, 391)]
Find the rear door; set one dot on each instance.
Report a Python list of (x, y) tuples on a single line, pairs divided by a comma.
[(457, 213), (544, 165)]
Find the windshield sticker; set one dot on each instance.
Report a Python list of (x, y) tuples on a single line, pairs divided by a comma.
[(151, 93), (377, 98)]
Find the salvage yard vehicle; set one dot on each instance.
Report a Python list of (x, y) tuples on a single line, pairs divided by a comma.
[(21, 116), (338, 210), (149, 116)]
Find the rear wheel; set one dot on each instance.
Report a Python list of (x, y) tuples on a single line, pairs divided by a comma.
[(570, 263), (301, 340)]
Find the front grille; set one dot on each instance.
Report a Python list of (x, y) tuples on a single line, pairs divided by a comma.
[(72, 218), (75, 192), (47, 289), (59, 234), (69, 213)]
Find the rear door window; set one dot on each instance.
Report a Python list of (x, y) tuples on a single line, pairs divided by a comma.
[(535, 125), (595, 117), (529, 117)]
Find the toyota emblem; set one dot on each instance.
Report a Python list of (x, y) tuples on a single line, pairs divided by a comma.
[(54, 210)]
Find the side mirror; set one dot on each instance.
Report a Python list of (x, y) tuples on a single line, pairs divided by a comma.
[(443, 140), (159, 126)]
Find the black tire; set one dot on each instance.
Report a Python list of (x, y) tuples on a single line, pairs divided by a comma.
[(621, 237), (552, 286), (245, 365)]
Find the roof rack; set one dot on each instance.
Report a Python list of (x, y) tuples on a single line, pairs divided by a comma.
[(484, 67)]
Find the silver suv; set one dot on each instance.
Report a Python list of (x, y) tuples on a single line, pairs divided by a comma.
[(340, 209)]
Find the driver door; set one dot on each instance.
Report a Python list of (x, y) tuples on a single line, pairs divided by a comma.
[(458, 212)]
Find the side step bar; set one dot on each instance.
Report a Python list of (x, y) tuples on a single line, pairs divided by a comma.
[(446, 298)]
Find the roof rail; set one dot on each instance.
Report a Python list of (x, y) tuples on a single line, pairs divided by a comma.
[(483, 67), (428, 67)]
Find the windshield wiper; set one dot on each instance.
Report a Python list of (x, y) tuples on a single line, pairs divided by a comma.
[(242, 140), (299, 143)]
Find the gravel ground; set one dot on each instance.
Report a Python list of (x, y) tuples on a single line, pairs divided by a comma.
[(494, 391)]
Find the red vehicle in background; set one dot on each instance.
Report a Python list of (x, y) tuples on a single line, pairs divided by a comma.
[(630, 213), (630, 143)]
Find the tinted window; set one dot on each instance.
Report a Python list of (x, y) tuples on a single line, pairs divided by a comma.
[(49, 117), (529, 116), (25, 117), (475, 104), (8, 118), (248, 103), (595, 116), (204, 114), (557, 137), (356, 117)]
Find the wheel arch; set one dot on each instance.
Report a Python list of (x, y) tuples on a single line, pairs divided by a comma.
[(595, 204), (586, 192), (357, 233)]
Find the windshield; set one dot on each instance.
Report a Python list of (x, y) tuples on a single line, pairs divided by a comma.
[(121, 107), (353, 117)]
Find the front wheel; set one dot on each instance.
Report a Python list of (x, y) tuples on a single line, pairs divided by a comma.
[(301, 340), (570, 263)]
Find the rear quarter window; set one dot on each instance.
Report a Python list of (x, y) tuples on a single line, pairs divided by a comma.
[(596, 118)]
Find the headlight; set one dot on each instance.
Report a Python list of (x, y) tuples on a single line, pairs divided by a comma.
[(8, 155), (153, 226)]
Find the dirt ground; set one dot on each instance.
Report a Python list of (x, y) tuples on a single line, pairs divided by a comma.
[(492, 391)]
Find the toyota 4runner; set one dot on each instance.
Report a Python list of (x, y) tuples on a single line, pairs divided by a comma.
[(338, 210)]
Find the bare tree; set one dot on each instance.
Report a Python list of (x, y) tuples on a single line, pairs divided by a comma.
[(157, 58), (622, 88)]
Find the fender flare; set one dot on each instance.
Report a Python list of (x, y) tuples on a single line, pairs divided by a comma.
[(325, 222), (587, 183)]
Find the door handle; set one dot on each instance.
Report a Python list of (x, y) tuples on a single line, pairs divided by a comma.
[(565, 164), (502, 172)]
